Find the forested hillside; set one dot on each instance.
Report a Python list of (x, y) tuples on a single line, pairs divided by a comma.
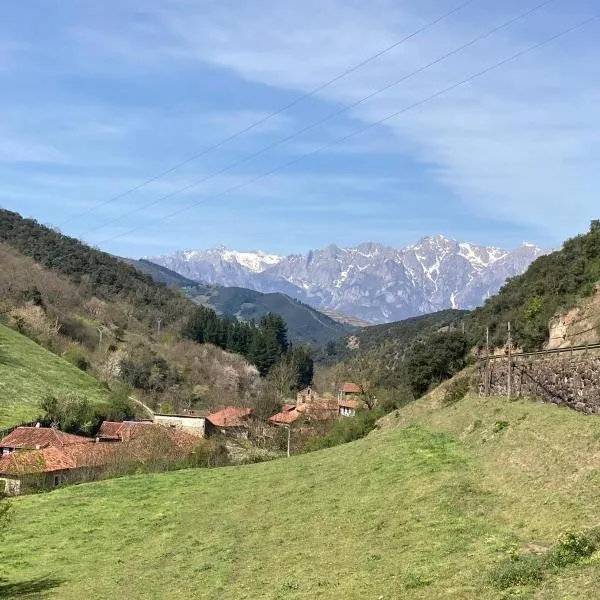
[(398, 362), (118, 324), (305, 324), (553, 282)]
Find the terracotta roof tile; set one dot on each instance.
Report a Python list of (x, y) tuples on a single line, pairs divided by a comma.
[(122, 430), (40, 437), (36, 461), (351, 403), (350, 388), (285, 418), (230, 417)]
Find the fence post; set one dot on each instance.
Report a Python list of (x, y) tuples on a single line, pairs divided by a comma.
[(509, 362)]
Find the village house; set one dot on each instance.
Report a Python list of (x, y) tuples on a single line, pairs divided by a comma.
[(285, 417), (66, 458), (231, 421), (348, 399), (307, 396), (37, 438), (192, 422)]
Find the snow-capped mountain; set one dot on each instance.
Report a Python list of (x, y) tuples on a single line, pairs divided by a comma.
[(372, 282)]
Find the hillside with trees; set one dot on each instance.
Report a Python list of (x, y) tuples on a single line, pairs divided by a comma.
[(305, 324), (553, 283), (121, 326)]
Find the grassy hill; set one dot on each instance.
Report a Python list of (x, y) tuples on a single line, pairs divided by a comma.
[(427, 507), (28, 372)]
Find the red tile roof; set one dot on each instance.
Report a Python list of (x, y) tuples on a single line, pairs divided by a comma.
[(40, 437), (122, 430), (350, 388), (351, 403), (36, 461), (230, 417), (285, 418), (144, 443)]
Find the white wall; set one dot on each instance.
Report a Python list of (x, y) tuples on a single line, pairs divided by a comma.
[(192, 425)]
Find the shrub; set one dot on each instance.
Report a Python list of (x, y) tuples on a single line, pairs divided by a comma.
[(456, 391), (571, 547), (347, 430), (499, 426), (210, 453), (528, 569), (519, 570), (76, 357)]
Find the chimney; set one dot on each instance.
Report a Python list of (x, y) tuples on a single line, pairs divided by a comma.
[(38, 425)]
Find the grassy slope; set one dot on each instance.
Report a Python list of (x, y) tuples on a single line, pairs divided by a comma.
[(28, 372), (420, 509)]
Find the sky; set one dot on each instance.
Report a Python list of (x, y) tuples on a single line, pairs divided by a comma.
[(97, 99)]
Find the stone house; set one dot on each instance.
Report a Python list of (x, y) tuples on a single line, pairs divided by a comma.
[(307, 396), (191, 422)]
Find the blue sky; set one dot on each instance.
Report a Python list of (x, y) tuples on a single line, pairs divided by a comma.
[(96, 98)]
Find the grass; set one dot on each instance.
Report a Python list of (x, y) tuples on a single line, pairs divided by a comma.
[(28, 372), (430, 506)]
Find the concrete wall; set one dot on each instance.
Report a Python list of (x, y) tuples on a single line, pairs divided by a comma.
[(193, 425), (570, 380)]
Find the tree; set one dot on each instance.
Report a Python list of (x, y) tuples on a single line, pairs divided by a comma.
[(303, 364), (435, 360)]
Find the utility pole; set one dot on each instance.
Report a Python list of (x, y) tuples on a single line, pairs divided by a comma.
[(289, 428), (509, 362), (487, 362), (158, 324), (463, 327)]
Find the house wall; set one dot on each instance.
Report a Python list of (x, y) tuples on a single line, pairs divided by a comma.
[(192, 425)]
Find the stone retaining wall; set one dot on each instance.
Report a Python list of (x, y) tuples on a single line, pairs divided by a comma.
[(570, 380)]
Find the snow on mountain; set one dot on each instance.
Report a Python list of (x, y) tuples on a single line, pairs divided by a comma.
[(372, 282)]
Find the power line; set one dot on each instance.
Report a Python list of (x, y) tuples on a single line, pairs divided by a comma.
[(272, 115), (325, 119), (372, 125)]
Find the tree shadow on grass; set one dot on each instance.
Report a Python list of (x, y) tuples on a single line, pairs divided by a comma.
[(32, 588)]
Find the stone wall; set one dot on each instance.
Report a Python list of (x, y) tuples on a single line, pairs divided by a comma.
[(570, 380)]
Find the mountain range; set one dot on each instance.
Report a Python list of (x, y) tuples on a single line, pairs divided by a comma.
[(372, 282)]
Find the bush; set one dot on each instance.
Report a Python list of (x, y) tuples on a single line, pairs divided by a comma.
[(520, 570), (456, 391), (76, 357), (499, 426), (210, 453), (571, 548), (528, 569), (347, 430)]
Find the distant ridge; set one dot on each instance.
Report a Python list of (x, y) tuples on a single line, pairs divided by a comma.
[(371, 282)]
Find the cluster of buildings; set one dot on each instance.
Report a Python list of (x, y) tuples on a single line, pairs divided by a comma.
[(310, 406), (33, 458)]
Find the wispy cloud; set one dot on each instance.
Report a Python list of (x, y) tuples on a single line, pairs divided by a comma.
[(118, 92)]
